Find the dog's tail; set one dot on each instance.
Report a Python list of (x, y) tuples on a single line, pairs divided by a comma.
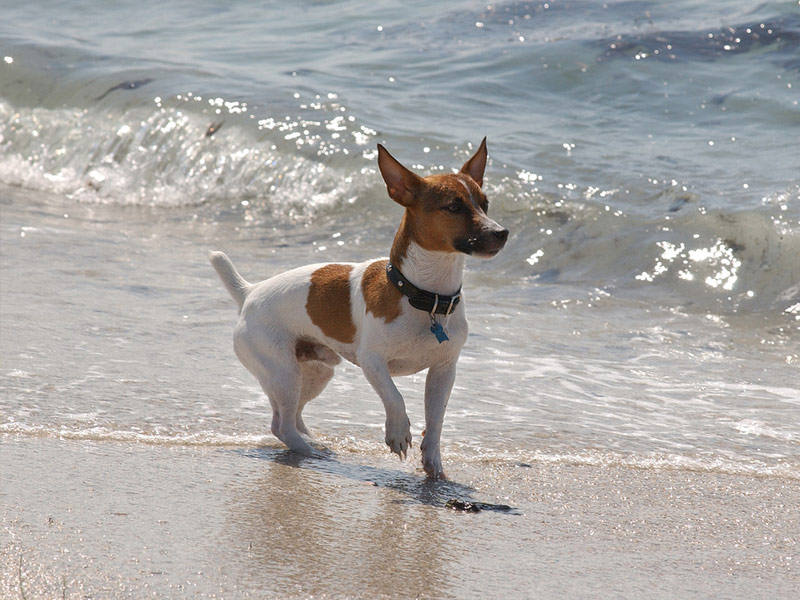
[(235, 283)]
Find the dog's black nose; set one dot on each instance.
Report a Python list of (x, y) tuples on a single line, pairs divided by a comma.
[(501, 234)]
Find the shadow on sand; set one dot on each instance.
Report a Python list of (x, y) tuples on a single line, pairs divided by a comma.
[(420, 490)]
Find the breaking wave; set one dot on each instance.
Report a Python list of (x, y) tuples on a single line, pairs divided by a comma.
[(151, 139)]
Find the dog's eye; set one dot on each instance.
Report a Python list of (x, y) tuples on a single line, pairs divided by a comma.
[(453, 207)]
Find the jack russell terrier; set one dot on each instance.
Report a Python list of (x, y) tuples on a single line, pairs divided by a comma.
[(394, 316)]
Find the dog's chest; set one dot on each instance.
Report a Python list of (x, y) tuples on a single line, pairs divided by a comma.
[(413, 347)]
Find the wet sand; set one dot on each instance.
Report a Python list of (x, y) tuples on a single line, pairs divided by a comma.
[(115, 520)]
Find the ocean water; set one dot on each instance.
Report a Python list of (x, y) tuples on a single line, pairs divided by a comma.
[(644, 154)]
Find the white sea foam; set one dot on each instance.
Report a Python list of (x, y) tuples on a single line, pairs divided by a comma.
[(455, 452), (105, 434)]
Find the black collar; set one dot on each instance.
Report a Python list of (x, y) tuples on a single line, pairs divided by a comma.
[(420, 299)]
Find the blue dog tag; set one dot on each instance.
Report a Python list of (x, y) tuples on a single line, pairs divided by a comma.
[(438, 331)]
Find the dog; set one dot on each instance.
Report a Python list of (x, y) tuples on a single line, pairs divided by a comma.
[(391, 317)]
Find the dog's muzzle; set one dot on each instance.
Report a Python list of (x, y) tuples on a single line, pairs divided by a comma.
[(487, 242)]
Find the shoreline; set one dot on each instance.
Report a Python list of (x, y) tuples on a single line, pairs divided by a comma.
[(113, 519), (344, 441)]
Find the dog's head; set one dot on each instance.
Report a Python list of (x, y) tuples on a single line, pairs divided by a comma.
[(445, 212)]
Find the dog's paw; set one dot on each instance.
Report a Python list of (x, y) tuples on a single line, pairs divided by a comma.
[(433, 469), (398, 435), (432, 461)]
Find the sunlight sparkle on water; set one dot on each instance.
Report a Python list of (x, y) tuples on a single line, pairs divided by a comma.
[(718, 263)]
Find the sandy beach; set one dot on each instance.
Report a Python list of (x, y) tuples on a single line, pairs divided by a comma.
[(83, 519)]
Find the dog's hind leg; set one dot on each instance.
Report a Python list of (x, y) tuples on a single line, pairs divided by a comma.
[(283, 384), (290, 388), (316, 369), (315, 376), (279, 374)]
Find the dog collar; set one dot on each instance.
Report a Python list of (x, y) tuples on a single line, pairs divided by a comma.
[(421, 299)]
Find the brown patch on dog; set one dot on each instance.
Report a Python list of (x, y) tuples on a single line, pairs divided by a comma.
[(401, 241), (305, 350), (381, 296), (328, 302)]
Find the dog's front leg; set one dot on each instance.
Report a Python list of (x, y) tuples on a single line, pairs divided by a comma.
[(437, 392), (398, 427)]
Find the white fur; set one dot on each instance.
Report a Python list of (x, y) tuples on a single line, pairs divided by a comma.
[(466, 187), (437, 272), (273, 317)]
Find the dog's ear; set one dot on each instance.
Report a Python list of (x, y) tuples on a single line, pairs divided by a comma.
[(401, 183), (476, 165)]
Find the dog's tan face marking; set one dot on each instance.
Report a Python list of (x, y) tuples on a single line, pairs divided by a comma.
[(381, 297), (449, 208), (444, 213), (328, 302)]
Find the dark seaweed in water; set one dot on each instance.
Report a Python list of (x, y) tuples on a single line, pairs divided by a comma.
[(780, 36), (459, 505)]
